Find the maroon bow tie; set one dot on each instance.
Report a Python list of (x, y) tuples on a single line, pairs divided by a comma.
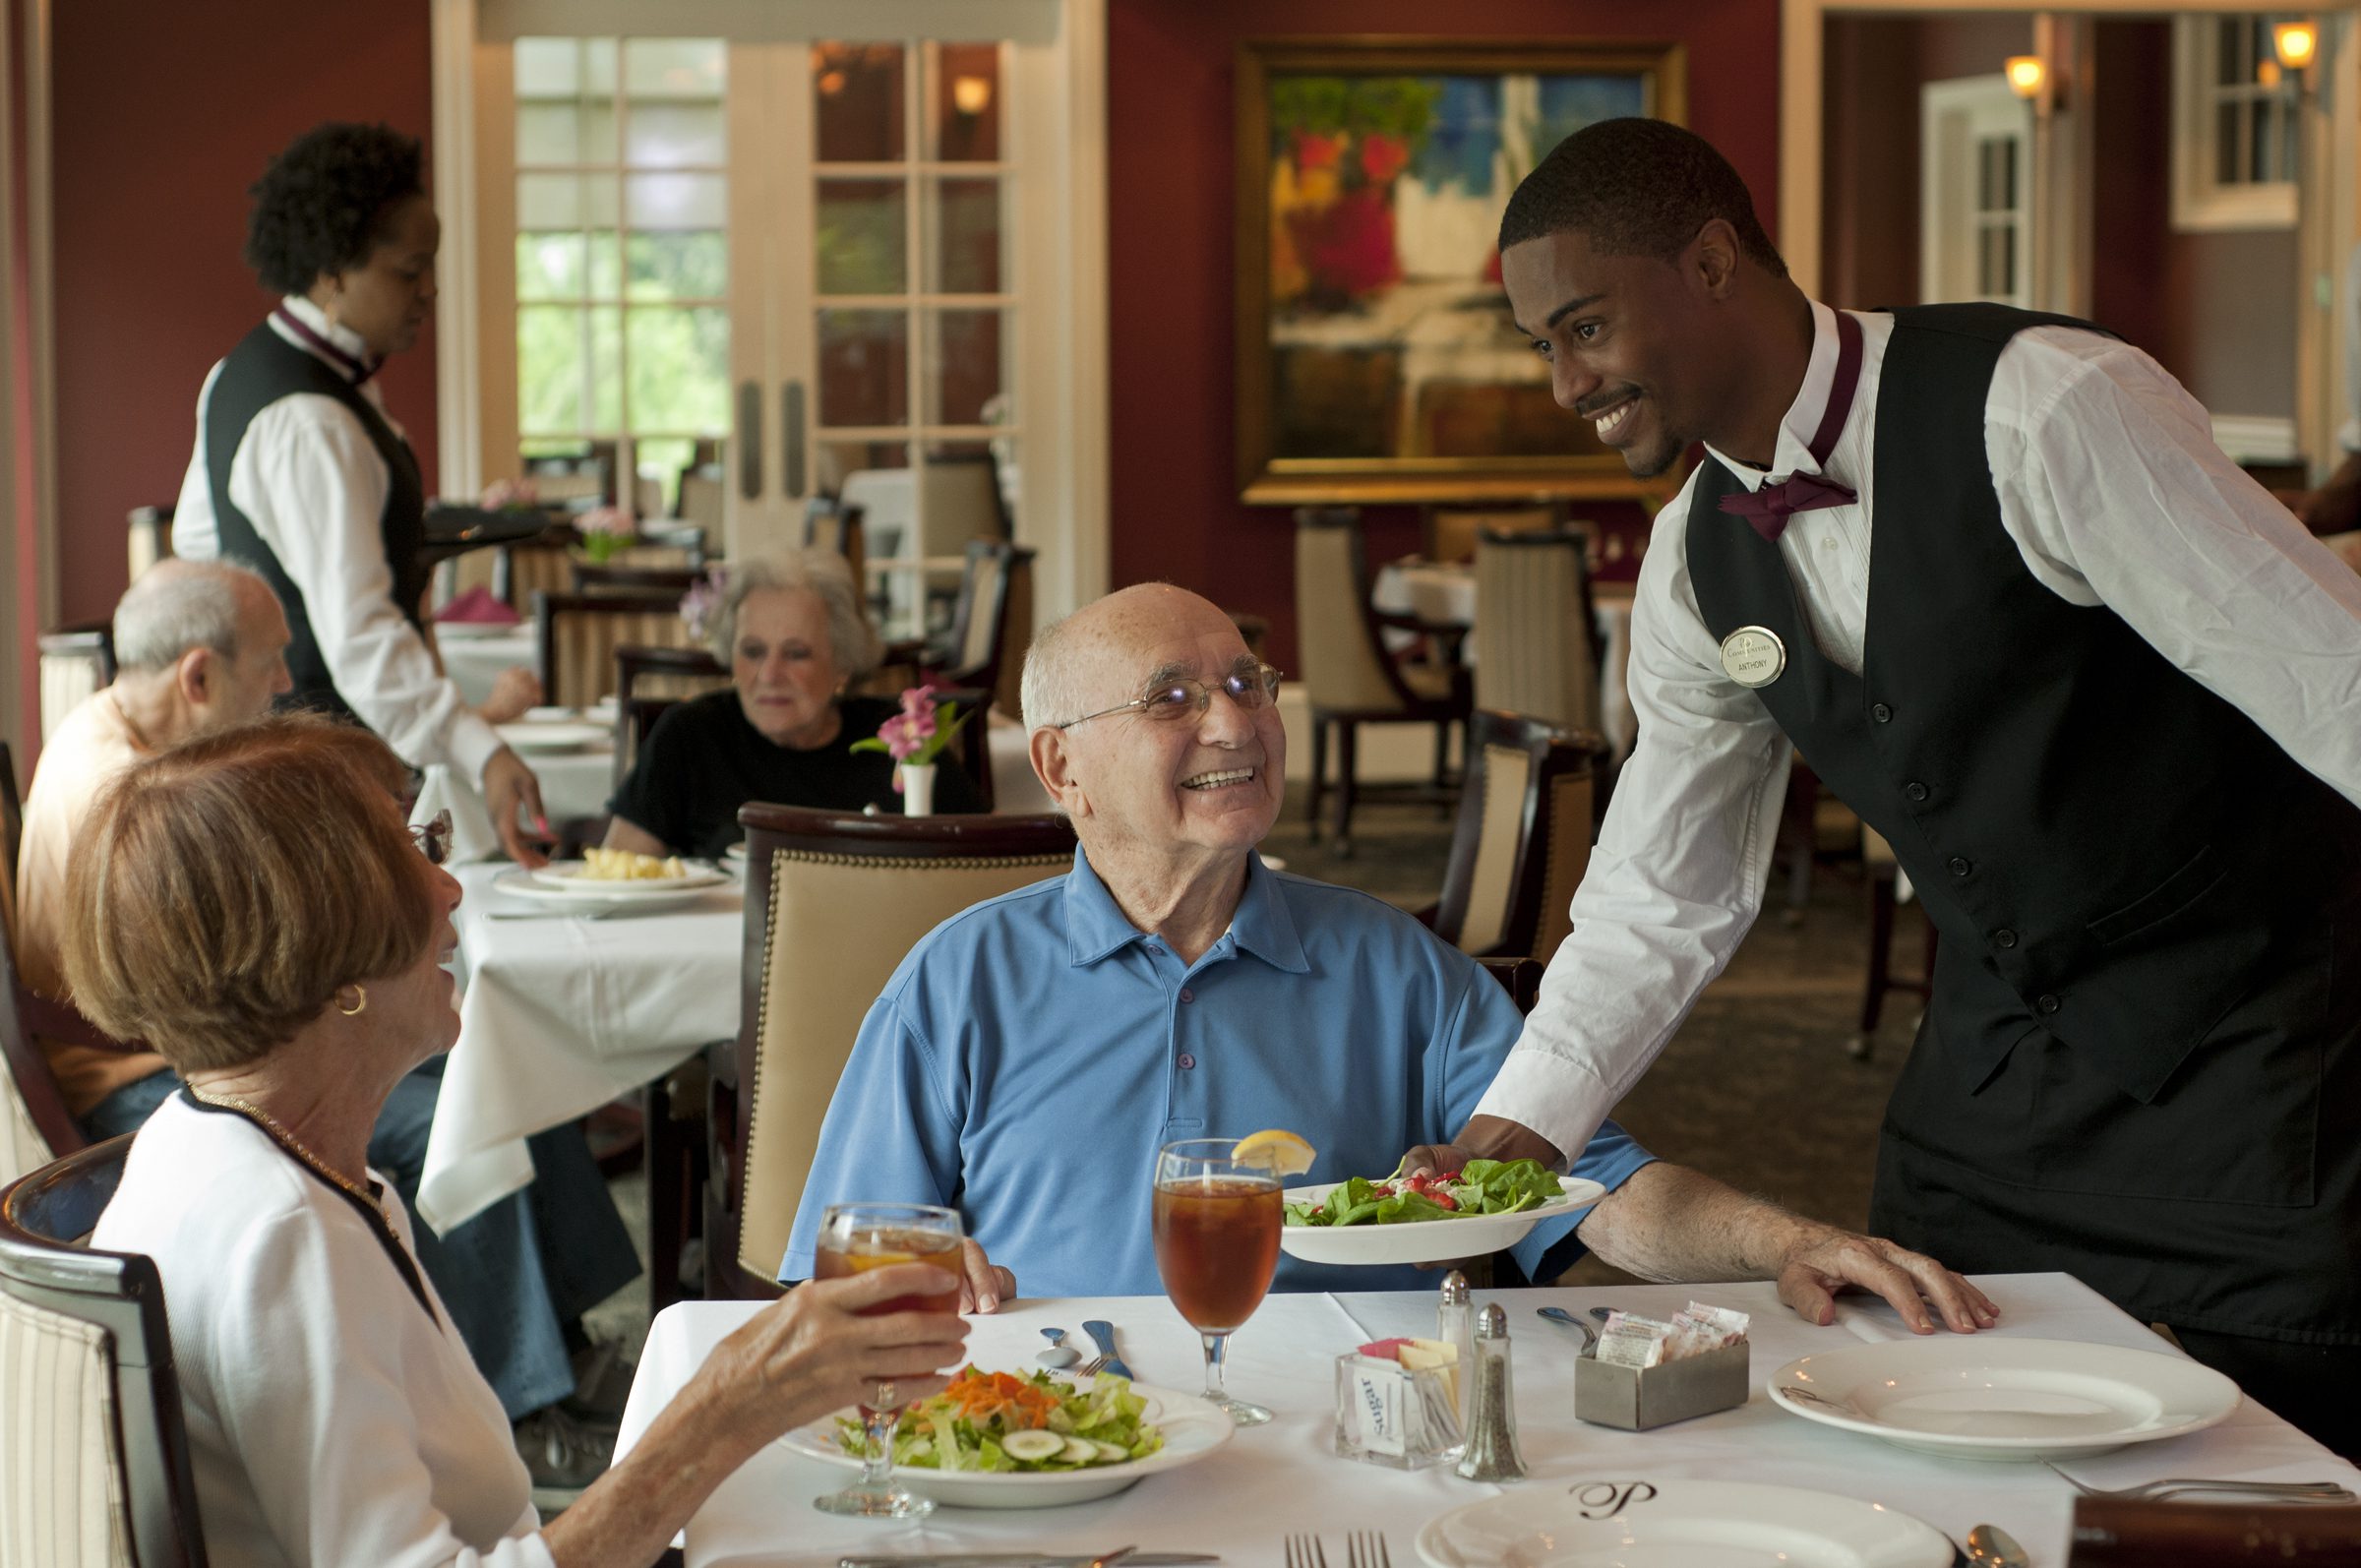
[(1768, 508)]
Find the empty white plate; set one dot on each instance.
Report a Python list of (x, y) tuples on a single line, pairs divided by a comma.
[(1679, 1523), (1987, 1397)]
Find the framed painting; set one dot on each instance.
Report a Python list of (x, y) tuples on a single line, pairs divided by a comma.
[(1375, 358)]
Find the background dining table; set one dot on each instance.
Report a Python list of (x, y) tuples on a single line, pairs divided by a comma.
[(1283, 1478), (1445, 593)]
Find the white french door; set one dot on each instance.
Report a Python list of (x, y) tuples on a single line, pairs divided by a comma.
[(773, 253)]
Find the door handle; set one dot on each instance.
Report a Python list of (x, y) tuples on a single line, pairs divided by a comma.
[(791, 432), (749, 441)]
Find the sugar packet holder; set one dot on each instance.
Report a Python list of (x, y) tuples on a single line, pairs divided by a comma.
[(1400, 1416), (1650, 1373)]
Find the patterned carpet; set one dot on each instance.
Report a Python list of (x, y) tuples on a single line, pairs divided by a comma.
[(1756, 1088)]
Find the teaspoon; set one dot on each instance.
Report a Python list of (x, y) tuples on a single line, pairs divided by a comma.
[(1059, 1354), (1989, 1545)]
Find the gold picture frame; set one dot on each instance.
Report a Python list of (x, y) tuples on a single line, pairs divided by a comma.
[(1376, 361)]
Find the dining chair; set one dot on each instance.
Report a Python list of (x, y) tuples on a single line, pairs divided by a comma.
[(1448, 531), (1884, 873), (702, 500), (1348, 674), (151, 538), (1536, 638), (1521, 978), (76, 661), (95, 1469), (960, 503), (578, 635), (648, 681), (34, 1126), (995, 594), (1523, 839), (616, 576), (833, 903), (833, 524)]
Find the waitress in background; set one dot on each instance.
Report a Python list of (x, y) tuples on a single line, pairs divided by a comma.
[(300, 473)]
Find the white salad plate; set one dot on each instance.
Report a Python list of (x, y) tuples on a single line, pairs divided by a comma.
[(1679, 1523), (565, 876), (564, 736), (1993, 1398), (1192, 1428), (598, 904), (1463, 1236)]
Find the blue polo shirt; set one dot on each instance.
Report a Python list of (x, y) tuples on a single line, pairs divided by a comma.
[(1031, 1053)]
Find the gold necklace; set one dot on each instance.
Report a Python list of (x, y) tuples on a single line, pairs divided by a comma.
[(284, 1140)]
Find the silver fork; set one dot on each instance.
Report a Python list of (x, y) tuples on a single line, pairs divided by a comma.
[(1302, 1551), (2286, 1492), (1366, 1548), (1091, 1368)]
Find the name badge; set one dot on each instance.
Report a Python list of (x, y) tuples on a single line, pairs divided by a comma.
[(1753, 655)]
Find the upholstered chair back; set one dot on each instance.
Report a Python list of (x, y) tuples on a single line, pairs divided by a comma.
[(579, 634), (1537, 640), (1335, 639), (1523, 839)]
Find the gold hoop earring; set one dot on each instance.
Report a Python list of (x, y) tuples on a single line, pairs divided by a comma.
[(358, 1007)]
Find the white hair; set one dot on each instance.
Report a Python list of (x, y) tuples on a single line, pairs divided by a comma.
[(852, 643), (177, 606), (1051, 690)]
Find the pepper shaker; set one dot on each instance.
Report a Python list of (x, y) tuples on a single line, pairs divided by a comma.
[(1455, 1326), (1491, 1453)]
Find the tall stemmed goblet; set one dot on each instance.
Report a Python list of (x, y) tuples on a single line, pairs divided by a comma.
[(1217, 1245), (855, 1237)]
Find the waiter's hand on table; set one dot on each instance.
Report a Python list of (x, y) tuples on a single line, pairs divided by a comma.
[(510, 793), (1483, 1138), (982, 1285), (1826, 1261)]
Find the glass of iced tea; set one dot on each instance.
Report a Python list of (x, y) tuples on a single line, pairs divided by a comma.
[(855, 1237), (1217, 1245)]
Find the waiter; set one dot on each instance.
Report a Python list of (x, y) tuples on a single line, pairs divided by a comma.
[(1988, 571)]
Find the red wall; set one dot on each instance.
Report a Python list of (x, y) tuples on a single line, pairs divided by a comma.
[(1169, 165), (163, 115)]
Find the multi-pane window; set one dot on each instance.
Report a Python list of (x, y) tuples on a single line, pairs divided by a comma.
[(2254, 105), (914, 295), (622, 251), (1998, 217), (2237, 125)]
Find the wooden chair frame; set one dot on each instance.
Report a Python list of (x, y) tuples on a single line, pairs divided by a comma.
[(1551, 754), (771, 828), (43, 1218)]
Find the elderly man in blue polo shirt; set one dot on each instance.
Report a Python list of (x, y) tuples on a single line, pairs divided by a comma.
[(1031, 1053)]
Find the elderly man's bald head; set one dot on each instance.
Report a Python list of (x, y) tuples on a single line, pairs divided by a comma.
[(206, 637), (1101, 636)]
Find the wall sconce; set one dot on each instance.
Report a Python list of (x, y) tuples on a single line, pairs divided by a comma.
[(2026, 73), (970, 95), (2296, 43)]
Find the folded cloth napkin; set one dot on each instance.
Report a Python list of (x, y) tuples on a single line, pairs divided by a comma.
[(477, 607)]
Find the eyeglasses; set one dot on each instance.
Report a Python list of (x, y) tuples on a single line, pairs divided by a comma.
[(1250, 686), (434, 838)]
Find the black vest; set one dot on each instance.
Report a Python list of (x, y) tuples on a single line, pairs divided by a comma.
[(2135, 890), (258, 372)]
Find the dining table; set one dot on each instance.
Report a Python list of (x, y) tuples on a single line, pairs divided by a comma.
[(1243, 1497), (1443, 593), (474, 657)]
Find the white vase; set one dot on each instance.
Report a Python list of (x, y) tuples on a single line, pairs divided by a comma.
[(918, 788)]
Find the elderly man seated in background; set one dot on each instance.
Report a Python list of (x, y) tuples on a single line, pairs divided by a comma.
[(1031, 1053), (199, 647)]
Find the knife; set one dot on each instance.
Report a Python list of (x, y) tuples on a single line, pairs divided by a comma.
[(1102, 1334), (1027, 1559)]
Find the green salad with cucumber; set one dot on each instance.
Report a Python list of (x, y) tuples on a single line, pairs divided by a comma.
[(1482, 1186), (1000, 1422)]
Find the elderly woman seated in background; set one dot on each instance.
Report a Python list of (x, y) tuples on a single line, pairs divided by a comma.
[(791, 629), (253, 906)]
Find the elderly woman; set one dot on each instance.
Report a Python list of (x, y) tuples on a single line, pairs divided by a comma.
[(253, 905), (791, 629), (301, 473)]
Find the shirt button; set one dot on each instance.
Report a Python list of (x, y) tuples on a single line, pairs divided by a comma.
[(1188, 995), (1916, 790), (2003, 938), (1879, 712), (1959, 865), (1186, 1061), (2047, 1005)]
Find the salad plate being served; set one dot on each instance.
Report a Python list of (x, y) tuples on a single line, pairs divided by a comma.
[(1000, 1440), (1489, 1205)]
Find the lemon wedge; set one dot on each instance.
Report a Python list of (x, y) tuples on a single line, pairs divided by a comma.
[(1281, 1153)]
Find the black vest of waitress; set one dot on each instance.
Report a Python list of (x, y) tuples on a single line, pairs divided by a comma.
[(2138, 1064), (258, 372)]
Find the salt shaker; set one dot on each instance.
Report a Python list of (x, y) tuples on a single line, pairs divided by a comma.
[(1455, 1326), (1491, 1452)]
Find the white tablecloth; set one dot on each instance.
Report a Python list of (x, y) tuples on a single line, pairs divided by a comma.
[(473, 663), (1446, 595), (560, 1016), (1286, 1477)]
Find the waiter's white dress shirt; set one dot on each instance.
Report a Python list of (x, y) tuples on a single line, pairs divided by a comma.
[(2110, 485), (311, 481)]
